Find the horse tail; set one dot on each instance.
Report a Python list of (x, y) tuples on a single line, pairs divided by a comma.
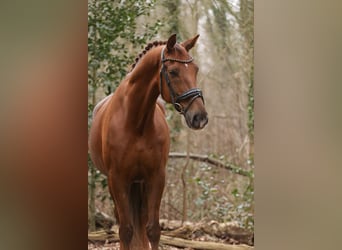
[(139, 216)]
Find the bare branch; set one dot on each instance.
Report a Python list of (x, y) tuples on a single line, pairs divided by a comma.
[(212, 161)]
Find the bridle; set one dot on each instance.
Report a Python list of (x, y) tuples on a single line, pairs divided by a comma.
[(175, 98)]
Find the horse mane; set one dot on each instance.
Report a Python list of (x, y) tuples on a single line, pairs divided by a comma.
[(147, 48)]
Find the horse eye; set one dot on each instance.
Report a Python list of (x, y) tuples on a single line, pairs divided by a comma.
[(173, 72)]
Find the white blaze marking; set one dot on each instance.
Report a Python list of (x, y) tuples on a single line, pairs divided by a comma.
[(186, 65)]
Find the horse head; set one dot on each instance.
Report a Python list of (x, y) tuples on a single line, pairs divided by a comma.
[(178, 82)]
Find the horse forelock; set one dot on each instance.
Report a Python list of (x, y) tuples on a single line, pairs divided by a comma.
[(181, 52)]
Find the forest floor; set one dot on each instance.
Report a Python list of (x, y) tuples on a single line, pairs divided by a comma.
[(188, 236), (116, 246)]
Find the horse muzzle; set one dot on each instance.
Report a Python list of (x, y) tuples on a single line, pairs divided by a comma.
[(196, 120)]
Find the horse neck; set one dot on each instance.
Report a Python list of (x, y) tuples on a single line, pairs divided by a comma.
[(143, 90)]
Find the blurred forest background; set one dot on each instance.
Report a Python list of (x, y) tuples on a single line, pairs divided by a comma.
[(196, 190)]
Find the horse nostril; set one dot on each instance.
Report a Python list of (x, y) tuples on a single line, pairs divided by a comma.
[(199, 120), (196, 118)]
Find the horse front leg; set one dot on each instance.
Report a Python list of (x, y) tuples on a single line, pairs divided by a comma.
[(120, 194), (154, 191), (115, 206)]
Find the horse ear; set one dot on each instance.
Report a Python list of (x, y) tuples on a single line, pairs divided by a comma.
[(189, 43), (171, 42)]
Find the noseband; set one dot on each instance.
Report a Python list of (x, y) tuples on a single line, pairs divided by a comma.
[(175, 98)]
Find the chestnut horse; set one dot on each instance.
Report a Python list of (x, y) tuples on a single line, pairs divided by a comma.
[(129, 138)]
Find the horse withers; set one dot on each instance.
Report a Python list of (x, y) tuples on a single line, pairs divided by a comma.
[(129, 138)]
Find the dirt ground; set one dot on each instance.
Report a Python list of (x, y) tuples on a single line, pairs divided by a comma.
[(116, 246)]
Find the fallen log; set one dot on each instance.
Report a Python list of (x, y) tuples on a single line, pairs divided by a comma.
[(228, 231), (178, 242), (167, 240), (103, 235)]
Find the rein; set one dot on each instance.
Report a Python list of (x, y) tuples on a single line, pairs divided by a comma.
[(175, 98)]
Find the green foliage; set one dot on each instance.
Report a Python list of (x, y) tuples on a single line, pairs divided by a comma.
[(172, 8), (244, 212), (239, 206), (112, 32), (251, 105), (90, 113)]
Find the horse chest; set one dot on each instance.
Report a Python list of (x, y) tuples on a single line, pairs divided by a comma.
[(146, 150)]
